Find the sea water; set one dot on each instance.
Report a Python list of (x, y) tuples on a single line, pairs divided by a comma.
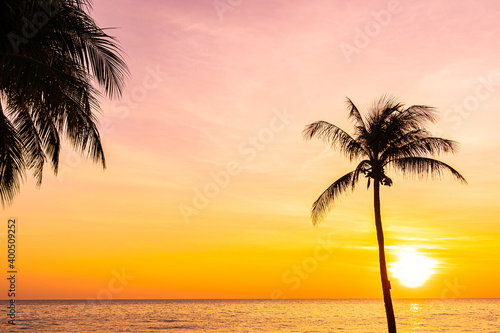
[(460, 315)]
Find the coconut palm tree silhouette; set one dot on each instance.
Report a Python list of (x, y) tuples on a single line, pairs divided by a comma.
[(52, 56), (390, 136)]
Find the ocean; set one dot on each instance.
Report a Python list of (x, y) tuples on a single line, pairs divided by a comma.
[(460, 315)]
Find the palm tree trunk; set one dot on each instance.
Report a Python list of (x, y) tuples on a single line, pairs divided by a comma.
[(386, 285)]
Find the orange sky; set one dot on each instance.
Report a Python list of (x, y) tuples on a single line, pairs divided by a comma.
[(224, 93)]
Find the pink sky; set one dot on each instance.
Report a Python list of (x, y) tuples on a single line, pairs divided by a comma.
[(220, 81)]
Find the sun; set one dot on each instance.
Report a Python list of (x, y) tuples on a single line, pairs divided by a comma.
[(413, 268)]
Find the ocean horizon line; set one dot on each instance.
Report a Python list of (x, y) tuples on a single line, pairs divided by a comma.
[(243, 299)]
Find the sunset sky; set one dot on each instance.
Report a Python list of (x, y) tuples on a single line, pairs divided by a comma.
[(209, 183)]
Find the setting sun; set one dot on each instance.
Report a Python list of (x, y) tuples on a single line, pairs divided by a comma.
[(413, 268)]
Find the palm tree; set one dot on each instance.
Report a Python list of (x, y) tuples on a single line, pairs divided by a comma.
[(53, 55), (390, 136)]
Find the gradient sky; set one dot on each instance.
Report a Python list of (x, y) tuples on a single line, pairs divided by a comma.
[(206, 82)]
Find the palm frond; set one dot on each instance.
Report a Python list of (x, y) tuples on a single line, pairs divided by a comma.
[(94, 50), (354, 113), (381, 109), (422, 113), (78, 124), (12, 164), (28, 135), (335, 137), (327, 199), (106, 63), (420, 147), (401, 137), (51, 141), (424, 167)]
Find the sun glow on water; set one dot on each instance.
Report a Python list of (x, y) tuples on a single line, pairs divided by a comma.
[(412, 269)]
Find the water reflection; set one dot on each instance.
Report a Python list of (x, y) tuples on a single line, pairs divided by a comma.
[(414, 316)]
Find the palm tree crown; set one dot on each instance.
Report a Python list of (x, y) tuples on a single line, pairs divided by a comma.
[(53, 57), (390, 136)]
